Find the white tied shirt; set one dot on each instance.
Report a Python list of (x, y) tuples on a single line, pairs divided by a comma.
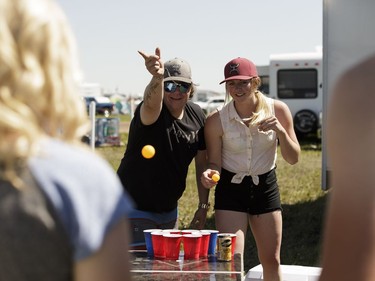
[(246, 150)]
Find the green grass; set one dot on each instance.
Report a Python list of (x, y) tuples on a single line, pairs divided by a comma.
[(303, 204)]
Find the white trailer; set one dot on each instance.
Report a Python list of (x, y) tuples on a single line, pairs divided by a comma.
[(296, 79), (348, 38)]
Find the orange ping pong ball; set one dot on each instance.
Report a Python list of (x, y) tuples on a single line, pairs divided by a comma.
[(148, 151), (215, 177)]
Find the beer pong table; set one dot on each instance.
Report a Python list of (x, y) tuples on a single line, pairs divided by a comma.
[(145, 268)]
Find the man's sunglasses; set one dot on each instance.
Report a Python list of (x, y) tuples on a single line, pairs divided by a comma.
[(171, 86)]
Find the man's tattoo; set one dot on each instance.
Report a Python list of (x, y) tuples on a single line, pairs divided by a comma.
[(152, 89)]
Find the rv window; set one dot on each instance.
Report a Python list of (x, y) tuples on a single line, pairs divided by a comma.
[(265, 85), (297, 84)]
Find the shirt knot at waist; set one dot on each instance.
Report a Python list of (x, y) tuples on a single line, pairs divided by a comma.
[(237, 178)]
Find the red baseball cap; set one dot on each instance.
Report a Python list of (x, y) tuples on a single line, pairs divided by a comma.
[(239, 68)]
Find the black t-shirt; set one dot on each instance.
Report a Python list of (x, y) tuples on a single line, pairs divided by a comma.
[(156, 184)]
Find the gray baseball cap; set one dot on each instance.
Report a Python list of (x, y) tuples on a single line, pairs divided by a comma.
[(177, 69)]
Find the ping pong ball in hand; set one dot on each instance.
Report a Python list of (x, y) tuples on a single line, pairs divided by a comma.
[(215, 177), (148, 151)]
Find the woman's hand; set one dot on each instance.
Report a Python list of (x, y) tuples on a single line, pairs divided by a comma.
[(207, 180), (271, 123)]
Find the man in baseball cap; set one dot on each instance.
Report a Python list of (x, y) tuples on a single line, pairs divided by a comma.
[(173, 125)]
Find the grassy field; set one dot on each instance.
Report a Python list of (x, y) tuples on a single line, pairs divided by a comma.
[(303, 204)]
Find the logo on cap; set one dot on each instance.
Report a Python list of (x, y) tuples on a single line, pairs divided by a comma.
[(177, 69), (174, 70), (234, 68)]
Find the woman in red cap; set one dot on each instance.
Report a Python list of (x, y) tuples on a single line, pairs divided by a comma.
[(242, 141)]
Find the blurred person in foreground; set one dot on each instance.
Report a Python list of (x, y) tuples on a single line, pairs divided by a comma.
[(174, 126), (63, 212), (242, 140), (349, 237)]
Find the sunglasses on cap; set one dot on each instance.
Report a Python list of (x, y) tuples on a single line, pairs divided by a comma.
[(171, 86)]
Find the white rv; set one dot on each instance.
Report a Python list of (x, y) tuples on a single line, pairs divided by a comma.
[(296, 79)]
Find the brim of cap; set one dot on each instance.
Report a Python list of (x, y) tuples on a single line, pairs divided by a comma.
[(237, 77), (176, 78)]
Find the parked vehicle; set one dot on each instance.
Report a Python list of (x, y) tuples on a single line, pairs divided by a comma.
[(296, 79), (103, 105), (211, 104), (214, 103), (202, 95), (209, 100)]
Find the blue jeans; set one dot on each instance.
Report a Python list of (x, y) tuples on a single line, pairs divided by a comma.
[(141, 220)]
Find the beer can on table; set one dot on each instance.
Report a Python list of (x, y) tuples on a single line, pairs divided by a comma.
[(224, 249)]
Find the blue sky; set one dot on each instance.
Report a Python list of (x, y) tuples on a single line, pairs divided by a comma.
[(205, 33)]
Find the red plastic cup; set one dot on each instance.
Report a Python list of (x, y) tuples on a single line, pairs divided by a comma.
[(192, 245), (172, 244), (205, 241), (171, 231), (233, 239), (158, 244), (189, 231)]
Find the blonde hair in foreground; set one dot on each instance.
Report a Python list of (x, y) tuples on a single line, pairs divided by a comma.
[(39, 79)]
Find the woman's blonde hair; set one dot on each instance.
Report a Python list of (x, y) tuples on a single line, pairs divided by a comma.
[(39, 81), (262, 109)]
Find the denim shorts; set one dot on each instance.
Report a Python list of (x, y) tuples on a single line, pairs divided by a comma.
[(141, 220), (246, 196)]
